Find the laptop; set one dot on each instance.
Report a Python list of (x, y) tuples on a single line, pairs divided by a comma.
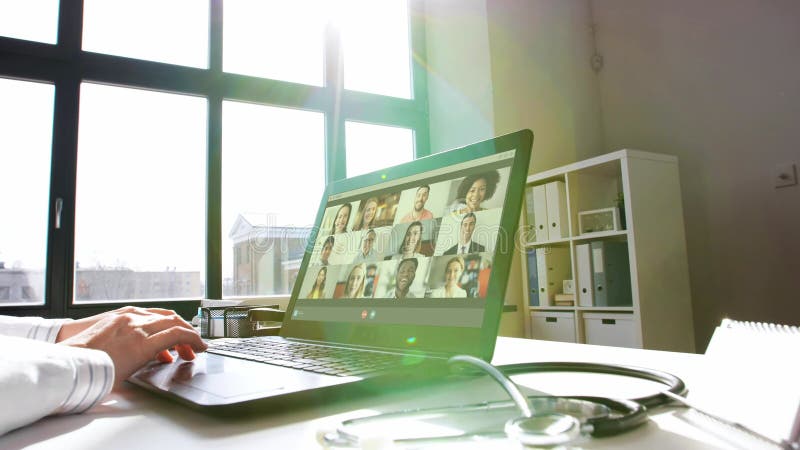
[(404, 268)]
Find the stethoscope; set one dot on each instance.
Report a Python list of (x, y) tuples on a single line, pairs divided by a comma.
[(544, 421)]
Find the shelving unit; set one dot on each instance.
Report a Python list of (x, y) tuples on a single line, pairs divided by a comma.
[(657, 314)]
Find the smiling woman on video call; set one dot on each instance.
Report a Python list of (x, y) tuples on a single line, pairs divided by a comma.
[(411, 244), (473, 191), (354, 286), (368, 214), (452, 273), (341, 219)]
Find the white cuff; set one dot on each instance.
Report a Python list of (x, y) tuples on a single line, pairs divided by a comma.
[(35, 328), (94, 378)]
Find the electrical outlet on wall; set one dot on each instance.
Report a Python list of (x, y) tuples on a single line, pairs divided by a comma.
[(785, 175)]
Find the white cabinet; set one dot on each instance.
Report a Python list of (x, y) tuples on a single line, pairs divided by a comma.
[(619, 219), (613, 329), (553, 326)]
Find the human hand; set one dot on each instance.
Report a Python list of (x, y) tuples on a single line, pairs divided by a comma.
[(136, 337), (71, 328)]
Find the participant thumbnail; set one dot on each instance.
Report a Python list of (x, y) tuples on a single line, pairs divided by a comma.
[(375, 211), (337, 219), (413, 240), (444, 280), (423, 202), (319, 282), (478, 192), (470, 233), (371, 245), (351, 282), (401, 279)]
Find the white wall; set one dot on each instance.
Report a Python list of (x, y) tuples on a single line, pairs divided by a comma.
[(542, 77), (497, 66), (459, 73), (717, 83)]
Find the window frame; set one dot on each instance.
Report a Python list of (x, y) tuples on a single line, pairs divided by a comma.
[(65, 65)]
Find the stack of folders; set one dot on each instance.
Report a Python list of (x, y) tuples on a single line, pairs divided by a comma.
[(604, 277), (533, 279), (750, 377), (548, 267), (548, 203)]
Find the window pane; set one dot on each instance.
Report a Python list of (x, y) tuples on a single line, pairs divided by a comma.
[(32, 20), (273, 162), (140, 206), (174, 32), (26, 124), (373, 147), (282, 40), (376, 40)]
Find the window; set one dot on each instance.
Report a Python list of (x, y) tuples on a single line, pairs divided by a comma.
[(371, 147), (169, 148), (278, 40), (376, 47), (268, 211), (140, 206), (29, 20), (26, 123), (174, 32)]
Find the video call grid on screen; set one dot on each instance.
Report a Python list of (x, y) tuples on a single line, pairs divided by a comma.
[(402, 244)]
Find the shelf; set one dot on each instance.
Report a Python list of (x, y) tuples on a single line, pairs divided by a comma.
[(600, 235), (605, 308), (599, 309), (546, 243), (658, 314)]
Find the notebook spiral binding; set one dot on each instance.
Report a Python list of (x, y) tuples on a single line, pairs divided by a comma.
[(760, 326)]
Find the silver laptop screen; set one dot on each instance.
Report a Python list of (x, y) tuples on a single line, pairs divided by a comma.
[(416, 250)]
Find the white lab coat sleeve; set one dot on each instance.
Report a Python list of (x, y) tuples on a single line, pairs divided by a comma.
[(31, 327), (38, 378)]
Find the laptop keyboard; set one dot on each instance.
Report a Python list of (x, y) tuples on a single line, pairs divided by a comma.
[(310, 357)]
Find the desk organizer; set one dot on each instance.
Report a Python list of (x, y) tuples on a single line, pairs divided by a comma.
[(239, 321)]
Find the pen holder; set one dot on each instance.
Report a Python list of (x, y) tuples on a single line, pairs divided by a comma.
[(231, 321), (266, 321)]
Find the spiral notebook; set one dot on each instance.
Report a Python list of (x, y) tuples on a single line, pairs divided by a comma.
[(753, 377)]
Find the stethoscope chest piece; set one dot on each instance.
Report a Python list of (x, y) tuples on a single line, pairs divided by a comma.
[(544, 430)]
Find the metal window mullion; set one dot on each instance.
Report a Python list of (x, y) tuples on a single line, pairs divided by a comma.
[(70, 28), (61, 240), (419, 76), (214, 155), (274, 92), (336, 158), (129, 72), (214, 199)]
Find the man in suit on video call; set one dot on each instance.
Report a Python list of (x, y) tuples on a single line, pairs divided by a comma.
[(465, 245)]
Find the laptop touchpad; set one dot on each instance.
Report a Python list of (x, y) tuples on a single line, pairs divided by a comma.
[(228, 377), (231, 384)]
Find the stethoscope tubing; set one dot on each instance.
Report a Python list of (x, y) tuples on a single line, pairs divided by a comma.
[(632, 412), (672, 382)]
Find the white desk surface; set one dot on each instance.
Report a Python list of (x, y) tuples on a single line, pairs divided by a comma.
[(135, 419)]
